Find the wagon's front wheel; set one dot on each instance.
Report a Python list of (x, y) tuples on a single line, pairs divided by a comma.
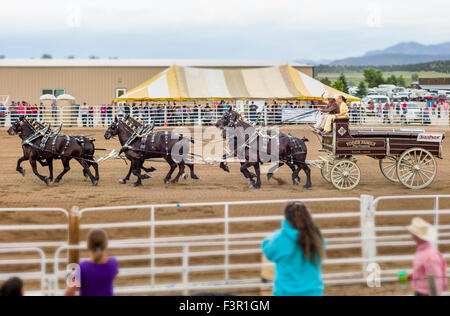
[(345, 175), (388, 167), (326, 171), (416, 168)]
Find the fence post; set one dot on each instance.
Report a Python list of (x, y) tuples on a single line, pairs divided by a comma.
[(74, 234), (368, 232)]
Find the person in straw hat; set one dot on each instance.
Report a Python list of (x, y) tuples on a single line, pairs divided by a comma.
[(331, 109), (428, 261)]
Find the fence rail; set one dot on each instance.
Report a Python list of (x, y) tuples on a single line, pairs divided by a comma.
[(168, 116), (228, 257)]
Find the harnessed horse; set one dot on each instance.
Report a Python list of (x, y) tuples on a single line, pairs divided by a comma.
[(292, 151), (139, 143), (39, 144)]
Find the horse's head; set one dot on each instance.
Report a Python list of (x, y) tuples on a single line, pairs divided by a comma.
[(229, 119), (17, 127), (113, 129)]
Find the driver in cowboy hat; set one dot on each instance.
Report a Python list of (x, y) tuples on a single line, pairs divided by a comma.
[(428, 261), (331, 109)]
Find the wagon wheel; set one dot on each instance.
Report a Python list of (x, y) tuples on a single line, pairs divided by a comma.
[(326, 171), (388, 167), (345, 175), (416, 168)]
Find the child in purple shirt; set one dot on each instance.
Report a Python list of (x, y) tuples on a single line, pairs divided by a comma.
[(95, 277)]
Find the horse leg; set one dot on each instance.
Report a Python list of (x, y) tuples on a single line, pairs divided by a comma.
[(50, 168), (35, 171), (148, 170), (248, 174), (97, 174), (136, 166), (19, 168), (43, 164), (173, 166), (65, 161), (223, 165), (181, 167), (307, 171), (258, 175), (85, 166), (124, 180), (193, 175)]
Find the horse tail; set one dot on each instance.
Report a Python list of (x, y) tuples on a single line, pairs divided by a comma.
[(304, 139)]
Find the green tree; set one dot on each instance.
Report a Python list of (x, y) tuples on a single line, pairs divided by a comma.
[(344, 81), (392, 80), (326, 81), (362, 90), (415, 77), (46, 56), (71, 57), (401, 81), (373, 77), (339, 85)]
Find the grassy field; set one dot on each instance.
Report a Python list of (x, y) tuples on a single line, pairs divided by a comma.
[(355, 78)]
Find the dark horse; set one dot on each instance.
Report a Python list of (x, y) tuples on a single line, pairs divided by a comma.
[(138, 148), (54, 147), (292, 151)]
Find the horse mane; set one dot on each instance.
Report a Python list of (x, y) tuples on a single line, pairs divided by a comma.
[(132, 122)]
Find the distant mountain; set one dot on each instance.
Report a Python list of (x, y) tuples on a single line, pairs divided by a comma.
[(413, 48), (400, 54), (314, 62), (389, 60)]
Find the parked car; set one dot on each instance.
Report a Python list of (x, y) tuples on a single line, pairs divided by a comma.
[(414, 114), (402, 96)]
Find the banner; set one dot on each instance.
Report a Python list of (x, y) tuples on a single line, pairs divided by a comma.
[(300, 116)]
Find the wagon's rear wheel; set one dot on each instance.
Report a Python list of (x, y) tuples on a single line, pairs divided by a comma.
[(416, 168), (345, 175), (388, 167)]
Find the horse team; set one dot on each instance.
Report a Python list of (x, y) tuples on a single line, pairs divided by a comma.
[(140, 143)]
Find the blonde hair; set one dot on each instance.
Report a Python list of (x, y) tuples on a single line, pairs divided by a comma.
[(97, 242)]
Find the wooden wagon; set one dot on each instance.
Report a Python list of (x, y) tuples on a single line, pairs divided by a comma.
[(406, 155)]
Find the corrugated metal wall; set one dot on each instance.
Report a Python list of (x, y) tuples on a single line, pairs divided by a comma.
[(94, 85)]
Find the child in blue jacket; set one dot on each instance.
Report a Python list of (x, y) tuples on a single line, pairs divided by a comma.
[(297, 250)]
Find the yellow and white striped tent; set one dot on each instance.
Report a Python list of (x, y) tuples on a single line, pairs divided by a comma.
[(186, 83)]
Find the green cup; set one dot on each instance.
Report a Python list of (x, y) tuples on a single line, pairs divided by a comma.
[(403, 278)]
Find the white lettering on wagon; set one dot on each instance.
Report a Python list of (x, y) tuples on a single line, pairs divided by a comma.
[(430, 137)]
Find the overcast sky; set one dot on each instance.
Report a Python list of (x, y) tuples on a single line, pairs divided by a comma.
[(287, 29)]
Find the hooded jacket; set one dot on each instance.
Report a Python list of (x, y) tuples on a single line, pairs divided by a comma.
[(295, 275)]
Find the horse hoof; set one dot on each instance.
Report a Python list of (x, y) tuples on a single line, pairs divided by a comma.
[(185, 177), (306, 187), (195, 177), (21, 171), (146, 176), (56, 183), (48, 181), (94, 183), (269, 176), (296, 182), (135, 185), (152, 169), (122, 181), (166, 182)]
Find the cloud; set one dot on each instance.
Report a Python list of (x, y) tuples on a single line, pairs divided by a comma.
[(284, 28)]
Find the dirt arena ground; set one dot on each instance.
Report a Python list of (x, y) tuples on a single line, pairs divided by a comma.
[(214, 186)]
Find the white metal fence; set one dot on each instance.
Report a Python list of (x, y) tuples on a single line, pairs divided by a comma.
[(216, 247), (165, 115)]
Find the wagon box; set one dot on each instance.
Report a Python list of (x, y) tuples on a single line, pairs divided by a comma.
[(406, 155)]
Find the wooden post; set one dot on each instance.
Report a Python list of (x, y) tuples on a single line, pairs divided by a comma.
[(74, 234)]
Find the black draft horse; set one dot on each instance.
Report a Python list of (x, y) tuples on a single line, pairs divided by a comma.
[(57, 147), (155, 145), (292, 151)]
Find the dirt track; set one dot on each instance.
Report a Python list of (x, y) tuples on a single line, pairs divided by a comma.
[(215, 185)]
